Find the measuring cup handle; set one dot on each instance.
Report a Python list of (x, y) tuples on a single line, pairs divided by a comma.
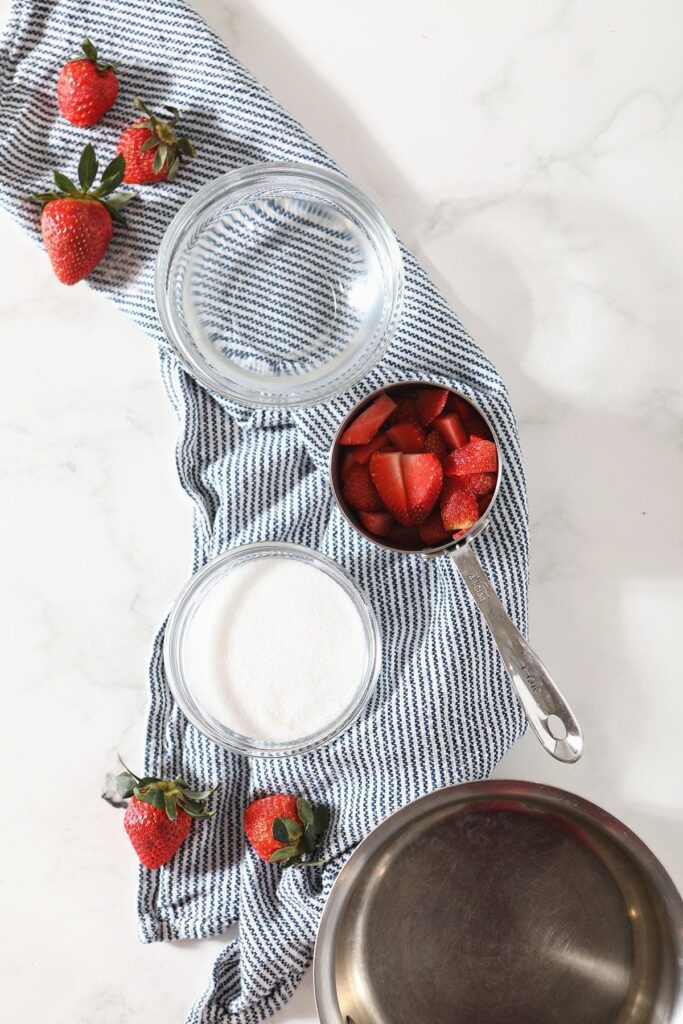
[(538, 693)]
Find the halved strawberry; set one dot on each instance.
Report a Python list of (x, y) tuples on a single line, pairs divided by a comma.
[(432, 532), (363, 452), (461, 406), (407, 437), (365, 426), (423, 477), (475, 483), (479, 456), (451, 429), (379, 523), (387, 476), (359, 490), (435, 443), (459, 509), (430, 403), (405, 410)]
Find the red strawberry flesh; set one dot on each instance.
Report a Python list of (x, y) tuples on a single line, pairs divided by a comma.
[(85, 94), (154, 836), (475, 483), (433, 532), (430, 403), (76, 234), (423, 476), (407, 437), (435, 443), (258, 822), (459, 509), (364, 452), (406, 409), (387, 476), (379, 523), (365, 426), (451, 429), (359, 491), (479, 456)]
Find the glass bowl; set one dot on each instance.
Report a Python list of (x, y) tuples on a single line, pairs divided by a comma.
[(185, 607), (279, 285)]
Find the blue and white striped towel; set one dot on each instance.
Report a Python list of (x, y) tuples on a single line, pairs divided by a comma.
[(443, 711)]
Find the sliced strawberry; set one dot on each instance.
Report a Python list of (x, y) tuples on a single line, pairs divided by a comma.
[(460, 405), (405, 410), (478, 427), (379, 523), (365, 426), (435, 443), (479, 456), (483, 502), (432, 532), (387, 476), (364, 452), (430, 403), (475, 483), (459, 509), (423, 476), (451, 429), (359, 490), (406, 537), (407, 437)]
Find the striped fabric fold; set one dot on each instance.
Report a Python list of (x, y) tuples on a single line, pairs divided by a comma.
[(443, 711)]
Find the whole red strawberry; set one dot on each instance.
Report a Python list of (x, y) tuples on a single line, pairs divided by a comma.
[(151, 148), (86, 87), (76, 222), (283, 829), (160, 814)]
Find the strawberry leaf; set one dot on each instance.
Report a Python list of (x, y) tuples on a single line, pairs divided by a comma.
[(65, 184), (151, 143), (87, 167), (125, 784), (305, 811), (284, 853), (310, 838), (89, 49), (200, 794), (280, 831), (112, 176), (171, 807), (152, 796), (159, 158), (186, 147), (321, 818), (294, 829)]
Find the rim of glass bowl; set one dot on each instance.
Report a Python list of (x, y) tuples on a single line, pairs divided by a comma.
[(178, 621), (251, 181)]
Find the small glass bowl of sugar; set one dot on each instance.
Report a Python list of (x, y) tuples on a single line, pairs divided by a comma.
[(272, 650)]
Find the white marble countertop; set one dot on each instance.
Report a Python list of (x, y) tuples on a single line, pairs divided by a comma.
[(530, 154)]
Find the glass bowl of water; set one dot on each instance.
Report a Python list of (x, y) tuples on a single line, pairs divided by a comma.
[(279, 285)]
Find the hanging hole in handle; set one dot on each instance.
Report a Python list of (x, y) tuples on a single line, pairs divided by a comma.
[(556, 727)]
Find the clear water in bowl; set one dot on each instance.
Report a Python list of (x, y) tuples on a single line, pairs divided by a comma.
[(281, 287)]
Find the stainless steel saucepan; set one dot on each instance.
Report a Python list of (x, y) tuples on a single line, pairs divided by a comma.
[(548, 712), (501, 901)]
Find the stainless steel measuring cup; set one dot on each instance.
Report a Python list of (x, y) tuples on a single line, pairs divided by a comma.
[(548, 712)]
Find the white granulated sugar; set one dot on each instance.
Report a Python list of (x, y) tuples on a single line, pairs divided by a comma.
[(276, 650)]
